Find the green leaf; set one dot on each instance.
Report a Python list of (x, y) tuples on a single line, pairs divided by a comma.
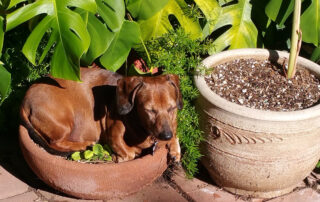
[(144, 9), (106, 153), (159, 23), (76, 156), (212, 11), (112, 12), (14, 3), (279, 10), (121, 45), (101, 41), (109, 158), (5, 82), (310, 23), (315, 57), (97, 149), (88, 154), (1, 34), (70, 36), (242, 34), (318, 164)]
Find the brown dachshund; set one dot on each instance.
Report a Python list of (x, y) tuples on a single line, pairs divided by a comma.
[(130, 113)]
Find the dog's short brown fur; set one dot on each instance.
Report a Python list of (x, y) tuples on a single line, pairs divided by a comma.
[(130, 113)]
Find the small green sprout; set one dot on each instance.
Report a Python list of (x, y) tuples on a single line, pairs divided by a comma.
[(76, 156), (97, 154)]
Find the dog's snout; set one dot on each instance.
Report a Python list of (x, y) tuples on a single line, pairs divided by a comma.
[(165, 135)]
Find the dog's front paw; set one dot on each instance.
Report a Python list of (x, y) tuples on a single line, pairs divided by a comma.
[(174, 150), (129, 155), (120, 159), (175, 156)]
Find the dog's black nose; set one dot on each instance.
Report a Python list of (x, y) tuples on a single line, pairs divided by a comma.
[(165, 135)]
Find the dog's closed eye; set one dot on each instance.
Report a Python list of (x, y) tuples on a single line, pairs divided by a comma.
[(171, 109), (151, 111)]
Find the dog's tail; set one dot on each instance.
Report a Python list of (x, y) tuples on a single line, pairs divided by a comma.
[(36, 137)]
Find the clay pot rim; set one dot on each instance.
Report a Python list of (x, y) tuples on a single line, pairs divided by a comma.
[(244, 111), (41, 152)]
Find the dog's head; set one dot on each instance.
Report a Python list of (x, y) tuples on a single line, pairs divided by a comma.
[(157, 100)]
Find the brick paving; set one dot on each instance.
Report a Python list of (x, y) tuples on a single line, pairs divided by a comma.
[(172, 188), (18, 183)]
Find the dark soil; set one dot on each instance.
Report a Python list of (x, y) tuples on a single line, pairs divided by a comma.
[(262, 85)]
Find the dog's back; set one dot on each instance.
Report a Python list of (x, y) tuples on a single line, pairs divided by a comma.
[(61, 112)]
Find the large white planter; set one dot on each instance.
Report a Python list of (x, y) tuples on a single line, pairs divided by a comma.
[(255, 152)]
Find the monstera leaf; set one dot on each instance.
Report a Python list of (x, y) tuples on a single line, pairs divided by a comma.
[(99, 33), (69, 35), (126, 34), (212, 11), (280, 10), (112, 12), (1, 34), (159, 23), (310, 23), (112, 36), (5, 82), (144, 9), (242, 34), (121, 45)]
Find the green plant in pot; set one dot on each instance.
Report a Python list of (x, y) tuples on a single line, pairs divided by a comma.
[(259, 149)]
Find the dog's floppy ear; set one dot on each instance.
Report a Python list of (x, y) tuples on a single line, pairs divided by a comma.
[(174, 80), (127, 89)]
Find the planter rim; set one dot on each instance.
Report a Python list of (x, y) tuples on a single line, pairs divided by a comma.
[(244, 111)]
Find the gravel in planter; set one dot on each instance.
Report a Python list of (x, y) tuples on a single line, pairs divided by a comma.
[(262, 85)]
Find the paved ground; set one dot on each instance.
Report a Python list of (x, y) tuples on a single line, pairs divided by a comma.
[(18, 183)]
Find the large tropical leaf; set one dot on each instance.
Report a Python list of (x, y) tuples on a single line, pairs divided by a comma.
[(310, 23), (212, 11), (144, 9), (121, 45), (159, 23), (5, 82), (280, 10), (1, 34), (68, 33), (101, 39), (112, 12), (242, 34)]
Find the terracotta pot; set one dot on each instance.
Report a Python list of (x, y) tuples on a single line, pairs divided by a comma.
[(255, 152), (92, 181)]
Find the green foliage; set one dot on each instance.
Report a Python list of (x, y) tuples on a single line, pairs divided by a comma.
[(159, 24), (4, 82), (242, 34), (178, 54), (121, 45), (310, 23), (280, 11), (144, 9), (100, 43), (76, 156), (98, 153), (68, 33)]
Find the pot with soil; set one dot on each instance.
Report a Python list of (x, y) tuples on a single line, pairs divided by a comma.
[(262, 131), (92, 181)]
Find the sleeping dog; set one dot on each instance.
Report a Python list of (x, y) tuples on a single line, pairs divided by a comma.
[(130, 113)]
